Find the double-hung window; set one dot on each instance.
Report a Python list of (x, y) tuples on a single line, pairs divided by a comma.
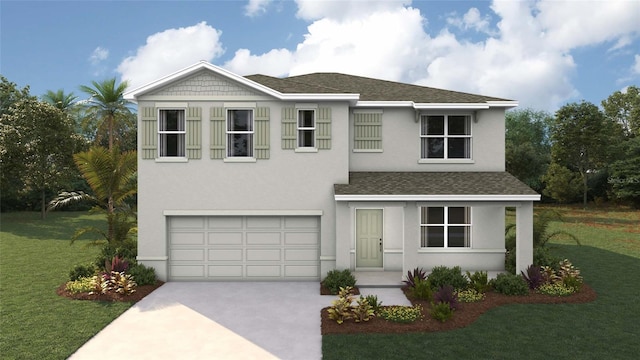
[(306, 128), (445, 137), (445, 227), (171, 133), (240, 133)]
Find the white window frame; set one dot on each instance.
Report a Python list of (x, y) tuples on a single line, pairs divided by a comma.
[(182, 132), (300, 129), (445, 225), (446, 137), (251, 132)]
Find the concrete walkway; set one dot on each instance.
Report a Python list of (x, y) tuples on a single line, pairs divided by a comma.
[(222, 320)]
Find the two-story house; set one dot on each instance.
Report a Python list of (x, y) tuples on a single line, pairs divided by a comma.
[(263, 178)]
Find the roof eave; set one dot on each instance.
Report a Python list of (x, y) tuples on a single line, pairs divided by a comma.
[(439, 106), (488, 198)]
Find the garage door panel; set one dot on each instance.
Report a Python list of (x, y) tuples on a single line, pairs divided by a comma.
[(301, 223), (225, 271), (225, 222), (187, 222), (258, 271), (189, 238), (260, 238), (187, 271), (187, 254), (264, 255), (293, 271), (264, 222), (225, 238), (225, 254), (301, 238), (300, 254)]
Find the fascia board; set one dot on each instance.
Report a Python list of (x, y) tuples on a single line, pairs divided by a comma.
[(424, 106), (488, 198)]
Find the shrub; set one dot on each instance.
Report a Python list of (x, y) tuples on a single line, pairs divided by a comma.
[(441, 312), (82, 271), (375, 304), (470, 295), (81, 285), (567, 270), (479, 281), (446, 294), (363, 311), (533, 277), (142, 275), (556, 289), (126, 250), (401, 314), (116, 265), (510, 284), (340, 309), (442, 275), (337, 279), (573, 283), (122, 283), (422, 290), (412, 277)]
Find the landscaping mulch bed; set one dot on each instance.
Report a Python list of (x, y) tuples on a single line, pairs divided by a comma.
[(141, 292), (325, 291), (466, 313)]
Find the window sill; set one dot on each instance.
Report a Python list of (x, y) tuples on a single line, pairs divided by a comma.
[(172, 160), (446, 161), (367, 150), (240, 160), (436, 250), (306, 150)]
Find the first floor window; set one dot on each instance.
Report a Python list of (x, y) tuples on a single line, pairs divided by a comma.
[(240, 133), (171, 131), (445, 137), (445, 226), (306, 128)]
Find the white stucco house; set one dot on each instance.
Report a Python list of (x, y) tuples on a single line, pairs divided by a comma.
[(264, 178)]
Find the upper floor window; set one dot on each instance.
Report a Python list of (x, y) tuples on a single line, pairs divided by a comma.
[(445, 137), (306, 128), (445, 227), (240, 133), (171, 133)]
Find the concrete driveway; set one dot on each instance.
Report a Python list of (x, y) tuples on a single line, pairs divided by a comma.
[(222, 320)]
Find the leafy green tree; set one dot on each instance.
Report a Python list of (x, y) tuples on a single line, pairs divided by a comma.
[(562, 184), (625, 174), (624, 108), (581, 136), (527, 145), (107, 114), (37, 142), (112, 176), (62, 101)]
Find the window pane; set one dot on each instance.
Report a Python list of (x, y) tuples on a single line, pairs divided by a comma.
[(435, 148), (458, 236), (240, 145), (459, 148), (435, 236), (305, 138), (305, 118), (172, 145), (435, 125), (459, 125), (459, 215), (240, 120), (171, 120), (435, 215)]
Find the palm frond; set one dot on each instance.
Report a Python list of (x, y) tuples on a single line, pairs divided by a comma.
[(67, 198)]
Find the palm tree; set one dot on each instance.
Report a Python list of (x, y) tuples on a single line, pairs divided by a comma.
[(59, 99), (107, 109), (112, 176)]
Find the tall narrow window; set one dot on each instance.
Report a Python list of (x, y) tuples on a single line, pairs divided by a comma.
[(445, 137), (171, 131), (307, 128), (240, 133), (445, 227)]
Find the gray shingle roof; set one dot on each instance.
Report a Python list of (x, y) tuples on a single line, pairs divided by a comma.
[(432, 183), (369, 89)]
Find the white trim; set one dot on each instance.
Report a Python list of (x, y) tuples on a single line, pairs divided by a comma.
[(172, 159), (171, 105), (367, 150), (445, 161), (239, 159), (242, 212), (305, 150), (392, 251), (435, 250), (240, 105), (437, 197), (327, 258), (152, 258)]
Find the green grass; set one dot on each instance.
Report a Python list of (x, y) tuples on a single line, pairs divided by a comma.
[(35, 258), (606, 328)]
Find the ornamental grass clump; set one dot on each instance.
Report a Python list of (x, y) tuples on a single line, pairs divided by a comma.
[(533, 276), (412, 277), (447, 295), (441, 312), (421, 290), (479, 281), (401, 314)]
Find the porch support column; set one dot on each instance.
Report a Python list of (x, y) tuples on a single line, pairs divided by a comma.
[(343, 236), (524, 236)]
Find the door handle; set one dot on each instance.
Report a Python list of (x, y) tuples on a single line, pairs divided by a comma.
[(380, 245)]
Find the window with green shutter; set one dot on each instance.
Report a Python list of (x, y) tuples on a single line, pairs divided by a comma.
[(367, 131), (148, 132), (306, 128), (194, 133), (218, 131), (240, 133)]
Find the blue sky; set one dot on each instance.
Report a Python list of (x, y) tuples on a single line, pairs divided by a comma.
[(541, 53)]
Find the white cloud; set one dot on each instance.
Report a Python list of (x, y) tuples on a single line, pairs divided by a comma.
[(636, 66), (169, 51), (276, 62), (98, 55), (472, 20), (256, 7), (345, 9)]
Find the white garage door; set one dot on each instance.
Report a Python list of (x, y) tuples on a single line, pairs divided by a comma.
[(244, 248)]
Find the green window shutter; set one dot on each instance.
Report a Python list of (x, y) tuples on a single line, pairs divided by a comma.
[(289, 128), (261, 133), (218, 132), (367, 131), (323, 128), (149, 132), (194, 133)]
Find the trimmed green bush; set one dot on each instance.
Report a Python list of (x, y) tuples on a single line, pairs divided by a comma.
[(338, 278), (126, 250), (142, 275), (421, 290), (479, 281), (441, 276), (82, 271), (510, 284)]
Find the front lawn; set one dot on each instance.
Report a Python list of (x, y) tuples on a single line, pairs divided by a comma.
[(606, 328), (35, 258)]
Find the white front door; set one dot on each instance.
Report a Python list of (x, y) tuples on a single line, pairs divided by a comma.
[(368, 238)]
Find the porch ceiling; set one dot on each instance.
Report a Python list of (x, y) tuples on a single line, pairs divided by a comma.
[(454, 184)]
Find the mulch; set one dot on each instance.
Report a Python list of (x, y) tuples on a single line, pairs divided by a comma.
[(141, 292)]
